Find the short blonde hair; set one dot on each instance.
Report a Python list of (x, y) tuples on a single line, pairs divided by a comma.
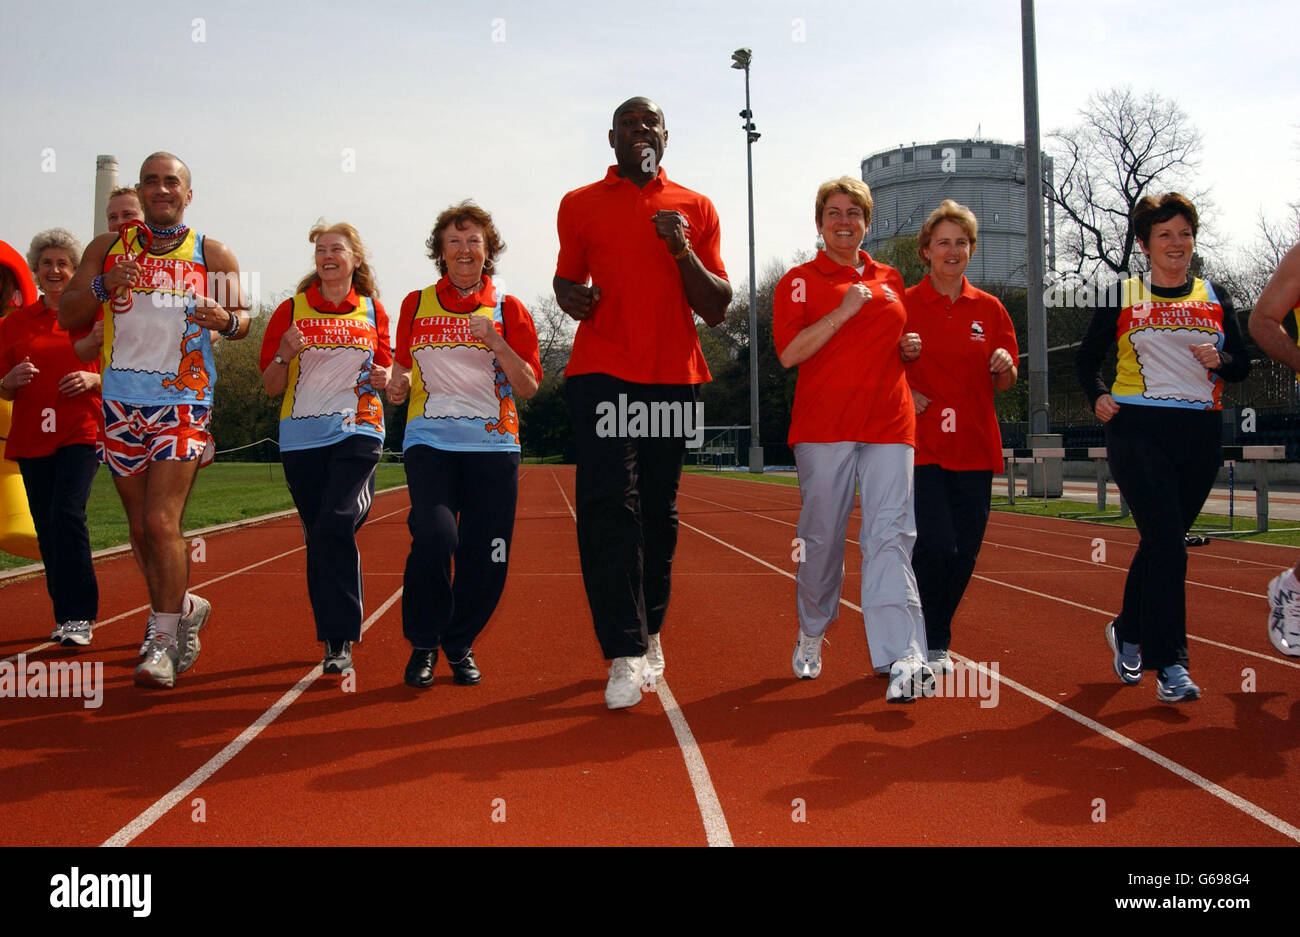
[(54, 237), (124, 190), (855, 189), (948, 210)]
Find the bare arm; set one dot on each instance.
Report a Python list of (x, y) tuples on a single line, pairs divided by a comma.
[(1003, 368), (708, 294), (228, 300), (811, 338), (1280, 296), (522, 379), (78, 304)]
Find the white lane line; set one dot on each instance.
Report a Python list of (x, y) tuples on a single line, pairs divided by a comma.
[(1232, 647), (1272, 659), (715, 822), (181, 791), (1234, 800), (1245, 806), (193, 588)]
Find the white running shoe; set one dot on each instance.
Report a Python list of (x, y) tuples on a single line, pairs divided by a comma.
[(76, 634), (187, 632), (56, 636), (807, 660), (908, 679), (940, 662), (159, 666), (1284, 617), (150, 629), (654, 657), (626, 677)]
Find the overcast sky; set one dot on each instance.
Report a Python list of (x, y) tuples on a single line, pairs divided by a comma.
[(385, 114)]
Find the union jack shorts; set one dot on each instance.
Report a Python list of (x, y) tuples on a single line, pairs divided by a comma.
[(135, 435)]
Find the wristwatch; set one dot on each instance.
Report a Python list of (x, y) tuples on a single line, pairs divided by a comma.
[(279, 360)]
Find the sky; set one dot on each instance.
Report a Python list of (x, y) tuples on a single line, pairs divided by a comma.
[(385, 114)]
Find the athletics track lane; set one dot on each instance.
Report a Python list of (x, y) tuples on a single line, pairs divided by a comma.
[(943, 771)]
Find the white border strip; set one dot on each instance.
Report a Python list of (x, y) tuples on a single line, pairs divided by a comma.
[(178, 793), (715, 822)]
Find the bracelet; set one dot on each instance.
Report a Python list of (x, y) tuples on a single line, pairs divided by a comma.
[(831, 320), (2, 381), (97, 287), (683, 252), (232, 329)]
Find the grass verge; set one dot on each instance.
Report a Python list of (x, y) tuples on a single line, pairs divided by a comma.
[(224, 492)]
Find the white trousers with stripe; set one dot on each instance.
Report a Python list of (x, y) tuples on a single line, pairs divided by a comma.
[(891, 604)]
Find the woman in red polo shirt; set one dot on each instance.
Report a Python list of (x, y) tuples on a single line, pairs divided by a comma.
[(55, 424), (327, 350), (970, 351), (841, 319)]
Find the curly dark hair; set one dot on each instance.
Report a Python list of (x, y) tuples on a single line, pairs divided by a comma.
[(467, 212)]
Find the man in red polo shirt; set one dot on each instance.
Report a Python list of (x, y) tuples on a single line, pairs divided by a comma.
[(638, 253)]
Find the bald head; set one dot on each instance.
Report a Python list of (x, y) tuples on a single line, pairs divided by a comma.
[(164, 155), (637, 104)]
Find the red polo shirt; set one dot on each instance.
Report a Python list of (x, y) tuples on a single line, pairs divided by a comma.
[(45, 420), (642, 329), (959, 430), (853, 389)]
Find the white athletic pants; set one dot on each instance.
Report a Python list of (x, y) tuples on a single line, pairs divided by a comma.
[(891, 604)]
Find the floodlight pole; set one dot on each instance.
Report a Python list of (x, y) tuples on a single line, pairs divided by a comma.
[(740, 59), (1038, 412)]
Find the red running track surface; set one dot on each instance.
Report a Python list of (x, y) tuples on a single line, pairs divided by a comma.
[(531, 756)]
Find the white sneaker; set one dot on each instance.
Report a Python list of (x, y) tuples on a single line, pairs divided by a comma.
[(807, 660), (159, 666), (75, 634), (1284, 618), (626, 676), (150, 629), (187, 632), (56, 636), (908, 679), (940, 662), (654, 657)]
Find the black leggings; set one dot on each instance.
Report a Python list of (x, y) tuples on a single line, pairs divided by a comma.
[(1164, 460)]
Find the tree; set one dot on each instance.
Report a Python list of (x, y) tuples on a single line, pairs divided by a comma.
[(243, 413), (1125, 147), (901, 254), (544, 428)]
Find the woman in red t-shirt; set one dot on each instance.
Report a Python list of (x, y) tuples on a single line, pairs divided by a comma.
[(55, 424), (970, 351), (841, 319)]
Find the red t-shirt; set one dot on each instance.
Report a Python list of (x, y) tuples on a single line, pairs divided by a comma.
[(853, 389), (642, 329), (959, 430), (45, 420)]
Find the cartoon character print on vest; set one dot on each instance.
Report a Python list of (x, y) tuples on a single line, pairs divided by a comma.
[(192, 374), (370, 412), (508, 417)]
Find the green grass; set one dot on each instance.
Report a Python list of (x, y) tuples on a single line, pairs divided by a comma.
[(1083, 511), (224, 492), (543, 460)]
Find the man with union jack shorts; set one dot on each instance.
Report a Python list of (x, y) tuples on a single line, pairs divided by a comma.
[(160, 296)]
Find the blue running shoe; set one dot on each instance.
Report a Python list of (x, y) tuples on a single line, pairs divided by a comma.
[(1174, 685), (1128, 658)]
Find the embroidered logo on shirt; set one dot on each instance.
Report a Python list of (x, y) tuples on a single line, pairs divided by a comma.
[(976, 332)]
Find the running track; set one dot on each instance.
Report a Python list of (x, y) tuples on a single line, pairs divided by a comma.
[(263, 749)]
